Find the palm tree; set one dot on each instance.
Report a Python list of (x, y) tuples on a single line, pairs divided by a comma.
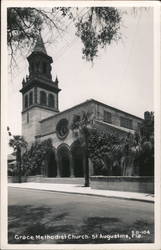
[(126, 151), (18, 143), (81, 126), (136, 155)]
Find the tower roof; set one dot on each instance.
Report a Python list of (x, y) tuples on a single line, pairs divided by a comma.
[(39, 46)]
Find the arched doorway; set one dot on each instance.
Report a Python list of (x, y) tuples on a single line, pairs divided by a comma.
[(77, 155), (52, 165), (64, 161)]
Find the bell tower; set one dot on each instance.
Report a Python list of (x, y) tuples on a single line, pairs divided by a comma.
[(39, 92)]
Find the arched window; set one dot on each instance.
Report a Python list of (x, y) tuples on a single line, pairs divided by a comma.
[(26, 101), (31, 98), (42, 98), (51, 101)]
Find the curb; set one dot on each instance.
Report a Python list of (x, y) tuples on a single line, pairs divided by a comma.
[(88, 194)]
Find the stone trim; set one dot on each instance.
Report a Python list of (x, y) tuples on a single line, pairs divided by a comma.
[(38, 82), (39, 106), (127, 130)]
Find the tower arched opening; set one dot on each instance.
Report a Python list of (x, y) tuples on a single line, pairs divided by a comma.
[(51, 101), (26, 101), (43, 99), (31, 98)]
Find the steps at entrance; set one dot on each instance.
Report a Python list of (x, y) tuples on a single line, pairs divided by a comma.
[(62, 180)]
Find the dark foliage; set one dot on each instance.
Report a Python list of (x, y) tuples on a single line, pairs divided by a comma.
[(18, 144), (33, 159), (112, 154), (98, 27)]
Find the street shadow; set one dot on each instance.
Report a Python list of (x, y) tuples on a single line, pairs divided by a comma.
[(97, 224), (102, 227), (32, 221), (94, 226), (26, 213)]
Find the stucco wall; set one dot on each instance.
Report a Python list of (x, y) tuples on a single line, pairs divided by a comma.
[(32, 128), (115, 115), (56, 141), (49, 125)]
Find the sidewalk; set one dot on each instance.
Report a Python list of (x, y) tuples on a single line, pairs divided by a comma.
[(78, 189)]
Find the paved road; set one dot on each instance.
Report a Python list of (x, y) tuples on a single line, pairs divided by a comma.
[(47, 217)]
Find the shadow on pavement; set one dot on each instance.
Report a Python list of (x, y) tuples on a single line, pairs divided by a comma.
[(40, 221)]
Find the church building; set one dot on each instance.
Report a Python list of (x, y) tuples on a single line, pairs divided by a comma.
[(41, 118)]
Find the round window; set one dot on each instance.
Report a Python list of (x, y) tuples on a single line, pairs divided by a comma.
[(62, 129)]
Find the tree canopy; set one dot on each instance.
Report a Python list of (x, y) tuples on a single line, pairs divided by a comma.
[(34, 157), (95, 26)]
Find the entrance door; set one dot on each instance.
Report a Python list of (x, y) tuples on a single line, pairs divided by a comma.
[(52, 165), (64, 161)]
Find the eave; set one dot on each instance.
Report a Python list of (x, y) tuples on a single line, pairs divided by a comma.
[(39, 82)]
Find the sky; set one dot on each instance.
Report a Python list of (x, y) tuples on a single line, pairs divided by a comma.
[(121, 76)]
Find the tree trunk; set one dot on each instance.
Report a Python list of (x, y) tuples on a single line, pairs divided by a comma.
[(18, 159), (127, 166), (86, 172), (86, 167)]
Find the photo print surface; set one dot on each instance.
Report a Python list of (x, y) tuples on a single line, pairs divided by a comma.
[(80, 126)]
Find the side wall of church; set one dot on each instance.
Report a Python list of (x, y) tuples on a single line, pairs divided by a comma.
[(67, 148), (115, 116), (48, 126)]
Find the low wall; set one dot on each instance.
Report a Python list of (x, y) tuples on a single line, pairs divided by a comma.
[(42, 179), (36, 178), (142, 184)]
